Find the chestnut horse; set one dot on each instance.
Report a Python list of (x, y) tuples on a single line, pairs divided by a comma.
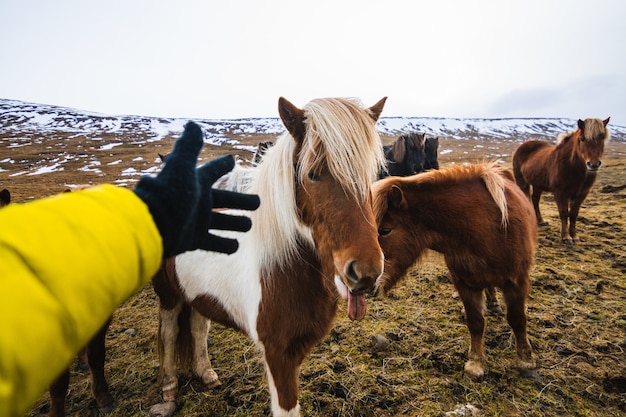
[(315, 218), (483, 225), (567, 169)]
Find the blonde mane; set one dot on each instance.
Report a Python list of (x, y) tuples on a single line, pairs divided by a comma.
[(341, 135)]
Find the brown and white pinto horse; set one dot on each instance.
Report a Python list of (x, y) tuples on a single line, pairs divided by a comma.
[(483, 225), (315, 219), (567, 169)]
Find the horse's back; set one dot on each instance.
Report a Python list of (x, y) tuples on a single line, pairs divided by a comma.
[(530, 149)]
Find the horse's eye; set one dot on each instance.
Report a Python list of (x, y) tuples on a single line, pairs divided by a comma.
[(383, 231), (313, 176), (582, 140)]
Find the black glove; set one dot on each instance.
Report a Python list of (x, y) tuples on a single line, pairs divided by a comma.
[(181, 200)]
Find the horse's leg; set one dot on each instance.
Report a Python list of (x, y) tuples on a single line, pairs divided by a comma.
[(562, 204), (96, 354), (201, 362), (535, 199), (515, 297), (58, 392), (168, 334), (475, 315), (492, 300), (573, 215), (282, 368)]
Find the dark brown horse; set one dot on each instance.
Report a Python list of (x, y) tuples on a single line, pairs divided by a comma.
[(567, 169), (315, 221), (483, 225), (405, 156), (261, 148), (94, 355), (5, 197)]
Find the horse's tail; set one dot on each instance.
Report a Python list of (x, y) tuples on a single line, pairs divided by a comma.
[(495, 177), (517, 174)]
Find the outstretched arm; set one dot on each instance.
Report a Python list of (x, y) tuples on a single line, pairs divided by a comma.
[(67, 262)]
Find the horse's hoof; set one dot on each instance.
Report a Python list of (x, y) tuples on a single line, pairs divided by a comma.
[(166, 409), (474, 370), (530, 374), (210, 379), (568, 241), (107, 409)]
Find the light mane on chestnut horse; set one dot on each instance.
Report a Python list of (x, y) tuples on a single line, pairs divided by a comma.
[(315, 219), (483, 225), (567, 169)]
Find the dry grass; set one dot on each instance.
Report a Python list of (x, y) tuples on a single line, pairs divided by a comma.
[(577, 317)]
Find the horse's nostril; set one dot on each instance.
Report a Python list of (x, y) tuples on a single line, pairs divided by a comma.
[(351, 272)]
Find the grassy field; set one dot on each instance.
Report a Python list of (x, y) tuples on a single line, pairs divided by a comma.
[(577, 314)]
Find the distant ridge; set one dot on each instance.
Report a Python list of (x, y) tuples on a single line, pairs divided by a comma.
[(18, 116)]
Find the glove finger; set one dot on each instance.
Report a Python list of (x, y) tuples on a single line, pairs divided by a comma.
[(190, 141), (212, 170), (186, 150), (235, 200), (221, 221), (219, 244)]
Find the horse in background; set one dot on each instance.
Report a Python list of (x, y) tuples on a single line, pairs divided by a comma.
[(261, 148), (5, 197), (431, 148), (410, 154), (315, 221), (93, 357), (483, 225), (567, 169)]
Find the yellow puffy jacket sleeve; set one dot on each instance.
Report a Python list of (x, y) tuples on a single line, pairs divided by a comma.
[(66, 263)]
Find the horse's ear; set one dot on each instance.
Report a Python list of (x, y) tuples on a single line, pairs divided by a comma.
[(606, 121), (293, 118), (395, 198), (377, 109), (581, 124)]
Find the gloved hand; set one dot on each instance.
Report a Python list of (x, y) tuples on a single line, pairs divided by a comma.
[(181, 200)]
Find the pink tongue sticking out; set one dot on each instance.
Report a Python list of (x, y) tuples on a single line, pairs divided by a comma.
[(356, 306)]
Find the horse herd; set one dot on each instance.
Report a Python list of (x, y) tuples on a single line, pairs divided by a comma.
[(343, 217)]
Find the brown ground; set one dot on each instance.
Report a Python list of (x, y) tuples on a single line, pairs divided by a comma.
[(577, 315)]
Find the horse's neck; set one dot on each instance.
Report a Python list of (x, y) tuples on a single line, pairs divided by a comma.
[(567, 150)]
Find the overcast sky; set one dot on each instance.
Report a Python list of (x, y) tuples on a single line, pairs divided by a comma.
[(234, 58)]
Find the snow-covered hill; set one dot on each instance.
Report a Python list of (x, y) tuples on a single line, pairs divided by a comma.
[(18, 116)]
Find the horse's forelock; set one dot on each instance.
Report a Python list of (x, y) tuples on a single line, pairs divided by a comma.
[(595, 130), (416, 140), (398, 149), (341, 135), (380, 202)]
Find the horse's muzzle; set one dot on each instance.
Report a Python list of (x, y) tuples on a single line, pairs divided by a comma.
[(591, 166)]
